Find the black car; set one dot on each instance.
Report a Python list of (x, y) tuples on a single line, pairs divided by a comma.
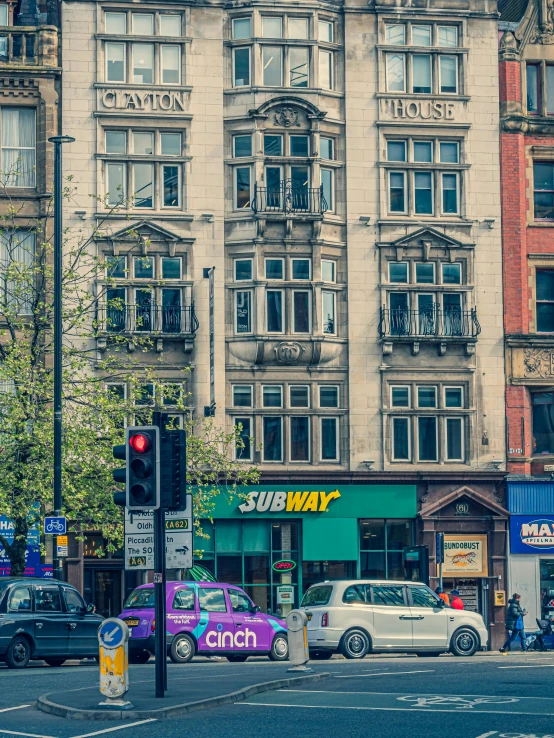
[(45, 619)]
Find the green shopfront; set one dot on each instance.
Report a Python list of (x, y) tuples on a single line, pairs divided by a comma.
[(284, 538)]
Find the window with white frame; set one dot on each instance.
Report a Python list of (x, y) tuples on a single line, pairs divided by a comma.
[(427, 63), (424, 177), (18, 147), (243, 270), (17, 264), (243, 311), (283, 60), (428, 423), (243, 447), (156, 60), (139, 183)]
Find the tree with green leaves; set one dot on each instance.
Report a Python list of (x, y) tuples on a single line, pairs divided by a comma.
[(93, 416)]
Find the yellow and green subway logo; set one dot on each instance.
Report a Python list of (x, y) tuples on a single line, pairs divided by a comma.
[(279, 502)]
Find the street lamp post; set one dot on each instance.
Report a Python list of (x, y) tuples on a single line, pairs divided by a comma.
[(58, 141)]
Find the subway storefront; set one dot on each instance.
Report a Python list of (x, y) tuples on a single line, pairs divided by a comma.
[(284, 538)]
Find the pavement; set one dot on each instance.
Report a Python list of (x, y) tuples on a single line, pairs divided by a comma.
[(487, 696)]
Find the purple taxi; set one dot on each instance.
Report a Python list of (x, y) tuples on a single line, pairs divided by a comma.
[(204, 618)]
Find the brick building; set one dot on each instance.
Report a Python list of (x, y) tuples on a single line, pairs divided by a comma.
[(527, 172)]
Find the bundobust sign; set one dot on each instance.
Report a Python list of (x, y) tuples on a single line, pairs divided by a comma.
[(143, 100), (465, 556), (419, 110)]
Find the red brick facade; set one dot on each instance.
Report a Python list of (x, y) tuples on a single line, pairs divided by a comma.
[(526, 245)]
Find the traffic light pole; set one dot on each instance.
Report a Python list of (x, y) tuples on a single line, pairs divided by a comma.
[(160, 588)]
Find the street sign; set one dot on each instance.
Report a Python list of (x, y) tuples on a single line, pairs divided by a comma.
[(63, 546), (112, 633), (139, 538), (113, 636), (55, 526)]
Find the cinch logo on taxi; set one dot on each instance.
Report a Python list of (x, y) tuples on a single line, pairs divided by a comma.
[(289, 501)]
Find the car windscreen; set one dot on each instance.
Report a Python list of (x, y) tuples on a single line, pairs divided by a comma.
[(317, 596), (140, 598)]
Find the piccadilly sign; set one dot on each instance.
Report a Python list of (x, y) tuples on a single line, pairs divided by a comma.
[(529, 534), (288, 502)]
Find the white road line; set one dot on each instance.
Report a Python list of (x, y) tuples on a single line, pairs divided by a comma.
[(119, 727), (19, 707), (528, 666), (390, 709), (486, 735), (28, 735), (385, 673)]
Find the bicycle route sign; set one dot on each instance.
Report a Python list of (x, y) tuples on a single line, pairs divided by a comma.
[(139, 539), (55, 526)]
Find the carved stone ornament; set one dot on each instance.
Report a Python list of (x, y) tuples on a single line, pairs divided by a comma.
[(286, 117), (545, 32), (538, 362), (288, 352)]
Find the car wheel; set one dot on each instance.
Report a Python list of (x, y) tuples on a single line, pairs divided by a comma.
[(320, 655), (182, 649), (55, 662), (18, 653), (464, 642), (237, 659), (139, 657), (355, 644), (279, 648)]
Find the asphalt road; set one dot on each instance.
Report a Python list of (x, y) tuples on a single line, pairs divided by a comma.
[(481, 697)]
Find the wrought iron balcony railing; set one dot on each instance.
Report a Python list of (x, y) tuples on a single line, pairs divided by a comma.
[(29, 46), (148, 318), (433, 323), (289, 198)]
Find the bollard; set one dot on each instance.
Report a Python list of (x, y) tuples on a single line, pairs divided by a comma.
[(113, 636), (297, 629)]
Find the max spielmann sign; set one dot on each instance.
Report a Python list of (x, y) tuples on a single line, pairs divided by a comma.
[(465, 556), (141, 100), (531, 534)]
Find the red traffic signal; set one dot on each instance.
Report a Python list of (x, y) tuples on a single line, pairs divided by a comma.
[(141, 443)]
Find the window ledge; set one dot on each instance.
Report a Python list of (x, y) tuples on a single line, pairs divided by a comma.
[(433, 221), (144, 214), (424, 96), (541, 224), (281, 90)]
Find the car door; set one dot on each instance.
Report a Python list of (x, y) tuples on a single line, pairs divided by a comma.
[(83, 626), (429, 619), (252, 632), (392, 618), (20, 618), (51, 622), (216, 628)]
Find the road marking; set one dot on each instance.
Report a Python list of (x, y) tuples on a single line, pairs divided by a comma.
[(119, 727), (385, 673), (28, 735), (19, 707), (528, 666), (486, 735), (385, 709)]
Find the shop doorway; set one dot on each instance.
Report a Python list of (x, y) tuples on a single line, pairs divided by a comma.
[(103, 588), (547, 588), (473, 593)]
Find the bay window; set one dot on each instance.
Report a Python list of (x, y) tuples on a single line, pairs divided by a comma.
[(242, 187), (274, 307), (242, 395), (272, 395), (329, 429), (272, 62), (243, 311), (299, 395), (329, 321), (243, 448), (300, 438), (241, 66), (272, 449), (301, 311)]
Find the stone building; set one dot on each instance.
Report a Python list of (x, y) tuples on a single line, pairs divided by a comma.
[(527, 166), (333, 168)]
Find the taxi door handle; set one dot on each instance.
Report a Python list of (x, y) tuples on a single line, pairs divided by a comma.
[(38, 625), (72, 626), (237, 625)]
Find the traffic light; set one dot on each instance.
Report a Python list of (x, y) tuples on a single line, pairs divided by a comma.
[(173, 471), (120, 475), (143, 468)]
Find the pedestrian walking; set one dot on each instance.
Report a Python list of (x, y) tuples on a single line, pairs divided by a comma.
[(514, 624), (455, 600), (442, 594)]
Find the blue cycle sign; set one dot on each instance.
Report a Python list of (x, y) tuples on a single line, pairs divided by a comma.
[(55, 526), (531, 534)]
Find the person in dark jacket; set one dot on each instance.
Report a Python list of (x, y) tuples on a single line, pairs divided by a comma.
[(514, 624)]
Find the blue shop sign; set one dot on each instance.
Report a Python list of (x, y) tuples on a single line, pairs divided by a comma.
[(531, 534), (32, 554)]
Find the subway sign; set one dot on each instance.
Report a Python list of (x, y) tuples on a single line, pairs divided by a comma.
[(531, 534), (271, 501)]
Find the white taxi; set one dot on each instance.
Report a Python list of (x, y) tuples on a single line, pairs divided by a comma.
[(356, 617)]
